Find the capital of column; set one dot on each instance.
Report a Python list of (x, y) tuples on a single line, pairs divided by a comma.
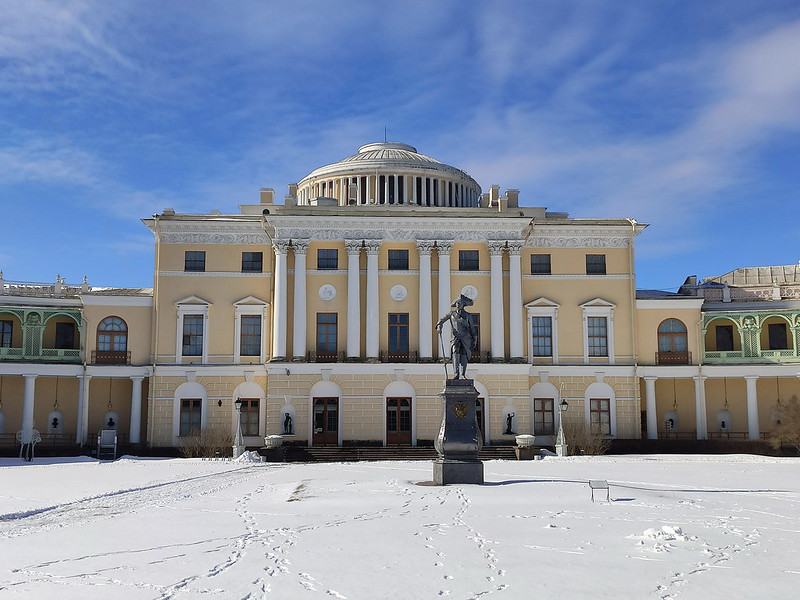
[(514, 247), (425, 246), (353, 246), (751, 377), (496, 248), (280, 246), (300, 246), (372, 246), (699, 377), (444, 248)]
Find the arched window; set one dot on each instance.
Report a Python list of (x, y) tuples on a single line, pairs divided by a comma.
[(112, 341), (672, 342)]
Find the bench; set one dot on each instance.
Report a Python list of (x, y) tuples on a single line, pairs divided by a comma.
[(600, 484)]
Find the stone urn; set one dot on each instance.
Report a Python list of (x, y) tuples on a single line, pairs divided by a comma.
[(525, 440), (273, 441)]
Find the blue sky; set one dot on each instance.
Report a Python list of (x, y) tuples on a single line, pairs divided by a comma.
[(681, 114)]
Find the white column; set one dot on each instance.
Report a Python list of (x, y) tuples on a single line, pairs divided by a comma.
[(397, 189), (753, 429), (515, 326), (425, 320), (444, 249), (652, 415), (496, 300), (353, 300), (424, 190), (136, 409), (83, 409), (28, 393), (300, 316), (700, 408), (279, 302), (373, 305)]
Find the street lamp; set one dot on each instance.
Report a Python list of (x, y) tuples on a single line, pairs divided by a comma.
[(238, 444), (561, 442)]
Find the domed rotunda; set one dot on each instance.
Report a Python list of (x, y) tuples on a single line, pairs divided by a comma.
[(388, 173)]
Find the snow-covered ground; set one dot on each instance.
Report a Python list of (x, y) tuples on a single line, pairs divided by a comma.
[(678, 527)]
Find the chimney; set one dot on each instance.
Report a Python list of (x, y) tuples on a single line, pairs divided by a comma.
[(267, 195)]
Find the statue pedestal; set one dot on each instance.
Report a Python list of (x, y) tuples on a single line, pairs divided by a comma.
[(459, 439)]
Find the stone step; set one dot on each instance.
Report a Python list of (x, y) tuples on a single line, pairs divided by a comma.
[(336, 454)]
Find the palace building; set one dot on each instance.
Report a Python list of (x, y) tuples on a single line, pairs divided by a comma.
[(318, 314)]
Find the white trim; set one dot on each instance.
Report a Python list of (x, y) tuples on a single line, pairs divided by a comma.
[(189, 389), (401, 389), (601, 390), (676, 303), (598, 308), (266, 274), (624, 276), (250, 306), (116, 300), (250, 389), (324, 389), (543, 307), (193, 305)]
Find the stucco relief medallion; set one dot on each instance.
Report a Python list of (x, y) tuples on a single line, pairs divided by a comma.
[(327, 292), (398, 293), (470, 291)]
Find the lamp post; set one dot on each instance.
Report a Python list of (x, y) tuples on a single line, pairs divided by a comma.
[(238, 444), (561, 442)]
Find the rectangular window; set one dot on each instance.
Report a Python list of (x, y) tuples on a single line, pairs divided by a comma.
[(327, 258), (194, 260), (476, 321), (250, 338), (542, 329), (326, 337), (595, 264), (724, 335), (398, 260), (598, 336), (468, 260), (543, 416), (398, 335), (540, 264), (248, 417), (600, 415), (191, 412), (192, 335), (65, 336), (777, 336), (6, 328), (252, 262)]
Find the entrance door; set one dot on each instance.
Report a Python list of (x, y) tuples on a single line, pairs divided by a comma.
[(398, 421), (326, 422)]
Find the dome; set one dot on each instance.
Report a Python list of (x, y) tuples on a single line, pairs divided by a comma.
[(389, 173)]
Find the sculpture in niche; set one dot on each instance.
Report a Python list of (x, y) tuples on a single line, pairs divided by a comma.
[(287, 424), (464, 336), (509, 421)]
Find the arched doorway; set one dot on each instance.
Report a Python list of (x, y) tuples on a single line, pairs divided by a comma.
[(326, 422), (398, 421)]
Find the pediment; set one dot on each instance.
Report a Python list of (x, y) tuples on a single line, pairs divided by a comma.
[(250, 301), (598, 303), (193, 300), (542, 303)]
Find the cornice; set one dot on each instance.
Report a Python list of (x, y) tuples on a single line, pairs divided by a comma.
[(212, 232)]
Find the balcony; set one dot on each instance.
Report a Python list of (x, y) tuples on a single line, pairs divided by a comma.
[(110, 357), (762, 357), (67, 355), (673, 358)]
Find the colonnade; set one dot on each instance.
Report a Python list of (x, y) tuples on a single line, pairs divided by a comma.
[(82, 425), (414, 190), (425, 301), (701, 417)]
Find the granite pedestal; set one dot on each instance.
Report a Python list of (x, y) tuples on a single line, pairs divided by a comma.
[(459, 439)]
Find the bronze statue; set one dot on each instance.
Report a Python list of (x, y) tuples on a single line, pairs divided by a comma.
[(464, 337)]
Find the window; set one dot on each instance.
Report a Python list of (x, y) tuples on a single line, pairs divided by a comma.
[(595, 264), (194, 260), (191, 412), (398, 260), (326, 337), (112, 335), (724, 335), (398, 335), (598, 336), (672, 336), (600, 415), (6, 329), (540, 264), (250, 336), (65, 336), (777, 336), (543, 416), (468, 260), (476, 321), (248, 417), (192, 335), (252, 262), (542, 329), (327, 258)]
